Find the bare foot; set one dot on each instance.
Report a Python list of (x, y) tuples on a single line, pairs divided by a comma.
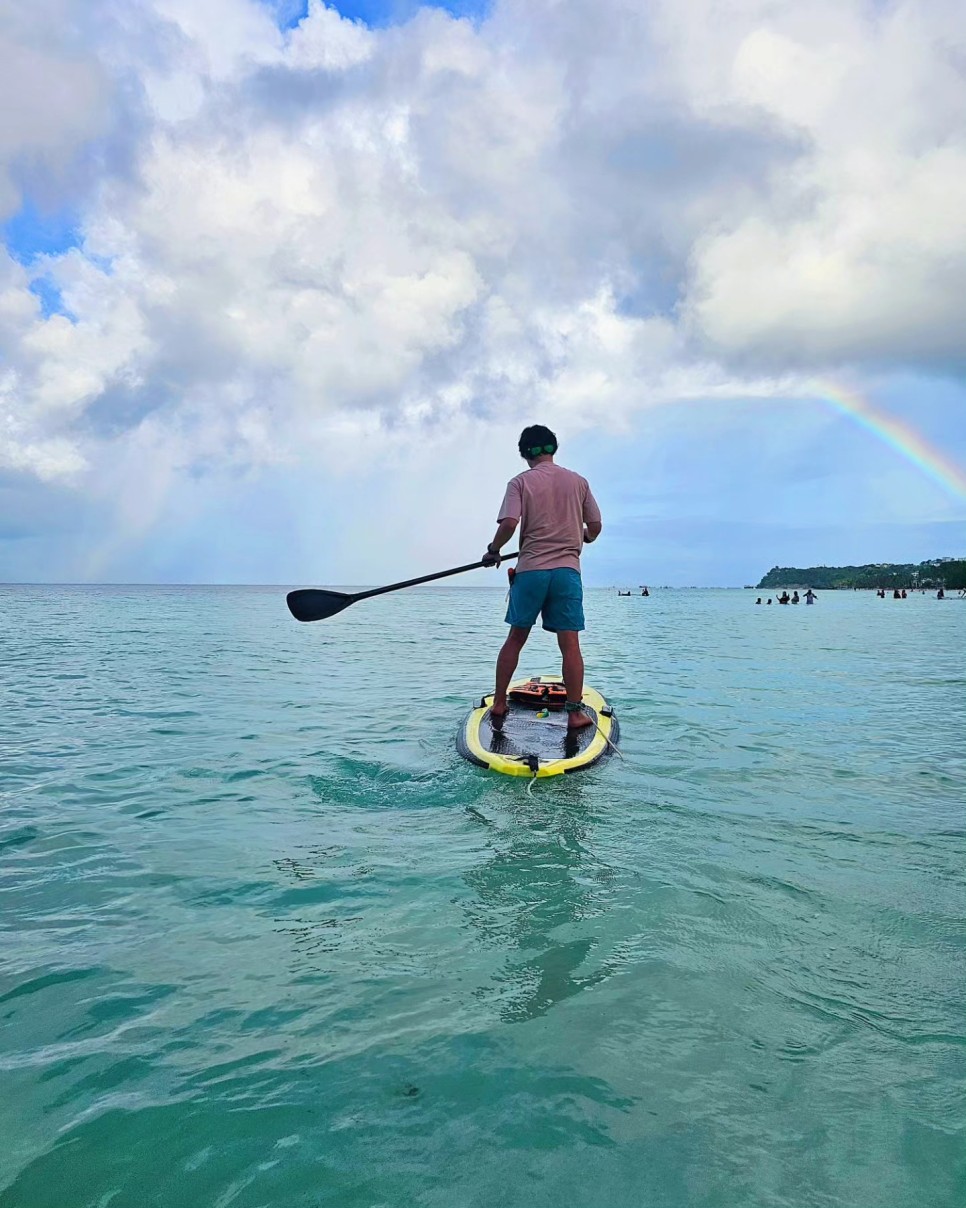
[(498, 716), (578, 721)]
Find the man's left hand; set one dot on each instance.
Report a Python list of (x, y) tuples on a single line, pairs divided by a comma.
[(490, 559)]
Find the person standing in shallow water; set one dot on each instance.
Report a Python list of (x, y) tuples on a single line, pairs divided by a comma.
[(557, 514)]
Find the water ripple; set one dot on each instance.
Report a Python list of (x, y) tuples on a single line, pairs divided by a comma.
[(259, 951)]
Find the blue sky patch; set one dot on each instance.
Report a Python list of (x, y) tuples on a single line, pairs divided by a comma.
[(379, 13), (51, 299), (33, 232)]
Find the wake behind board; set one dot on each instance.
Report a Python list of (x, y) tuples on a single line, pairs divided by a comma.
[(533, 741)]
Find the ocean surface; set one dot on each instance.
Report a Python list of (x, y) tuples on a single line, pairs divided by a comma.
[(268, 941)]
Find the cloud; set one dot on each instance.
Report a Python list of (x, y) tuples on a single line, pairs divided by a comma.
[(857, 252), (53, 98), (287, 236)]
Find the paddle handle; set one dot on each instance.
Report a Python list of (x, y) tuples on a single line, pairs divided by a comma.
[(442, 574)]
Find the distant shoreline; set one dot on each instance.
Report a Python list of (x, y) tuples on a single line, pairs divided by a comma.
[(949, 573)]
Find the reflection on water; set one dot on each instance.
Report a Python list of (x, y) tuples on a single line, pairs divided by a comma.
[(537, 898)]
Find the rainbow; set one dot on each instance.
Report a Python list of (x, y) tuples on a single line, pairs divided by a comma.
[(906, 441)]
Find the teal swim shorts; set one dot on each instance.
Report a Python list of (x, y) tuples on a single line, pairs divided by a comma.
[(557, 594)]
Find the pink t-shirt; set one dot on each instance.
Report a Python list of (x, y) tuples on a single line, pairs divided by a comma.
[(552, 504)]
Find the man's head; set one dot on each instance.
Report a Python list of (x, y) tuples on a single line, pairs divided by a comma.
[(536, 441)]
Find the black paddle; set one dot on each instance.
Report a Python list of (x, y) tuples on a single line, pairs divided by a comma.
[(314, 604)]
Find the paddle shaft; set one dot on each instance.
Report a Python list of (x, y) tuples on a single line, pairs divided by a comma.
[(442, 574)]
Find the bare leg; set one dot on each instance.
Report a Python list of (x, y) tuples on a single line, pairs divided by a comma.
[(506, 664), (573, 673)]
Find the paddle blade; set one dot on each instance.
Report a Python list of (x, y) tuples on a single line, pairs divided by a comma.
[(313, 604)]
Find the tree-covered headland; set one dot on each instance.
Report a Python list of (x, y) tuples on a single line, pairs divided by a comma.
[(938, 572)]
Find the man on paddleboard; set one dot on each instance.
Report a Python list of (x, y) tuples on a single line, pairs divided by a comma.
[(557, 515)]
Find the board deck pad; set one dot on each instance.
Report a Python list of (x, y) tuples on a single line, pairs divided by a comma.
[(533, 742), (525, 733)]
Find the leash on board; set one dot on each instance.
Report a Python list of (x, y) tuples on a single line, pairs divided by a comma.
[(613, 746), (533, 763)]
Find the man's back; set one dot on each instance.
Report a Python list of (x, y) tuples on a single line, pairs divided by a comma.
[(552, 504)]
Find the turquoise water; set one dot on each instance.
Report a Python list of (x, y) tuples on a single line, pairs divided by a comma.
[(257, 951)]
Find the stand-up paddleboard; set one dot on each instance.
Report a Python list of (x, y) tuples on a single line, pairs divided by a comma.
[(533, 739)]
